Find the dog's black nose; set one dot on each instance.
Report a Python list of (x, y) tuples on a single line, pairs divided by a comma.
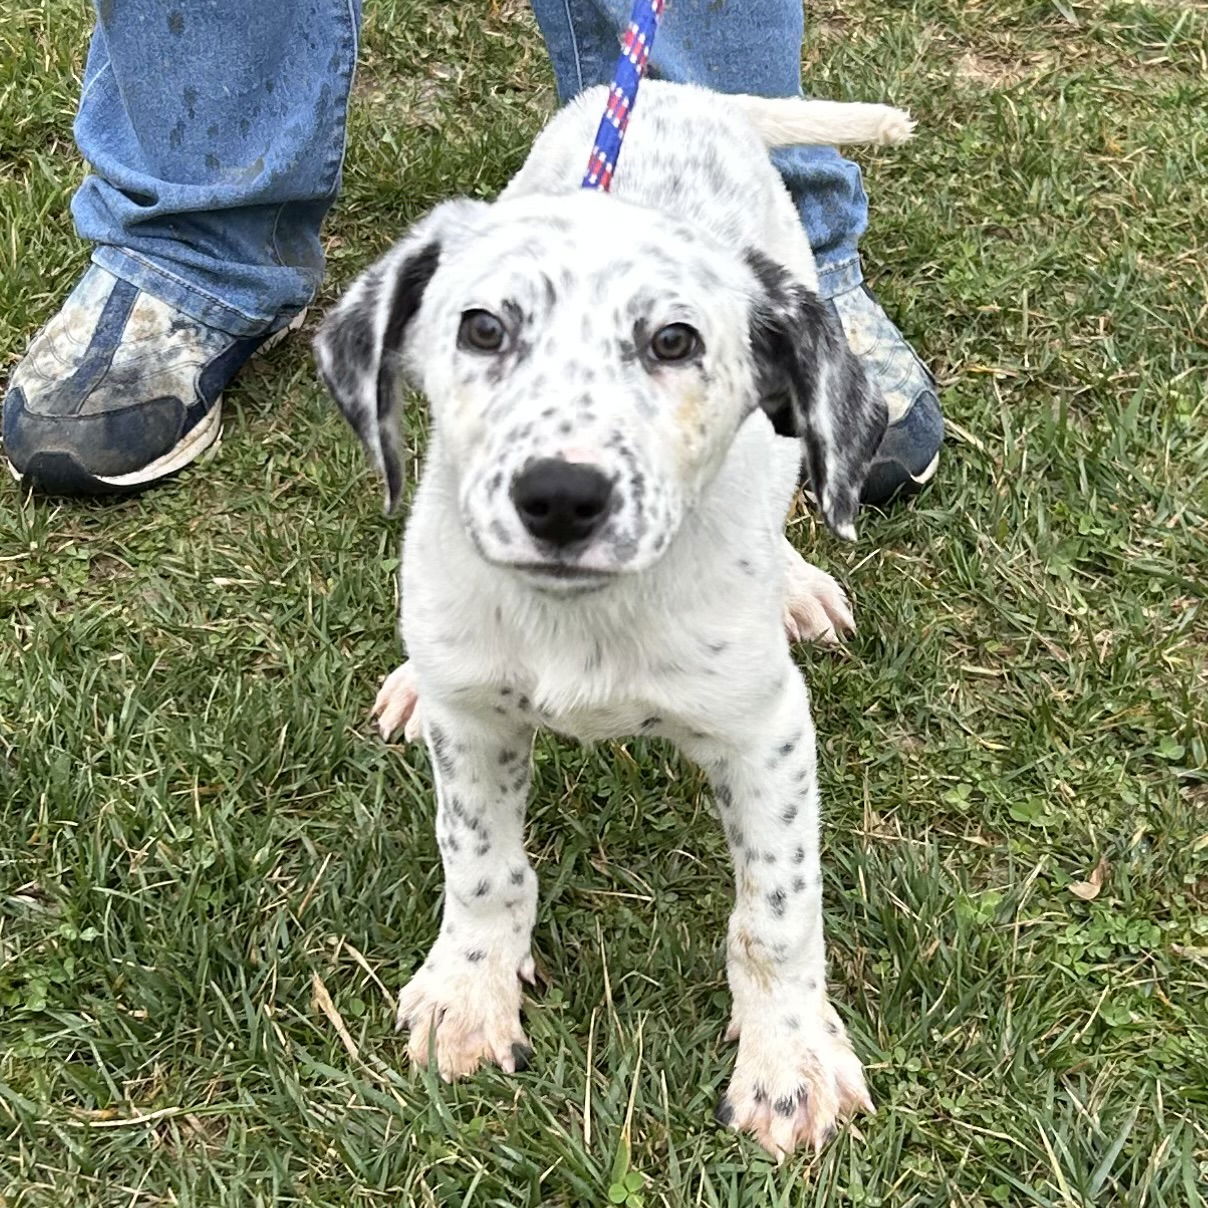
[(561, 502)]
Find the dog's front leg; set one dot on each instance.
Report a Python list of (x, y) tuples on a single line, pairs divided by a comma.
[(795, 1075), (464, 1002)]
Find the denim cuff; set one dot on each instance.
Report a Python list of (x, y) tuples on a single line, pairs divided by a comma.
[(839, 275), (182, 295)]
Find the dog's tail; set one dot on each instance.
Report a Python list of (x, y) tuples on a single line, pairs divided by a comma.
[(785, 121)]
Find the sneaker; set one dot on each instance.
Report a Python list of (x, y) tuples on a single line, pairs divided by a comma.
[(910, 449), (118, 390)]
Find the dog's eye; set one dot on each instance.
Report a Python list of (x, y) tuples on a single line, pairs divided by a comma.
[(675, 342), (480, 330)]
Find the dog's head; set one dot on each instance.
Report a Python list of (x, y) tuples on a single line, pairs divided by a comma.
[(587, 364)]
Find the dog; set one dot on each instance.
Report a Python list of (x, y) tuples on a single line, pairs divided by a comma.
[(623, 389)]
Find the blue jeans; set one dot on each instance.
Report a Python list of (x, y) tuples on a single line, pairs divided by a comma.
[(216, 136)]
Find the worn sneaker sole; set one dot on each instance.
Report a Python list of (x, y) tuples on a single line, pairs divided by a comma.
[(61, 474)]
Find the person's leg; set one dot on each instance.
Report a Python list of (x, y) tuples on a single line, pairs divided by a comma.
[(215, 135), (755, 47)]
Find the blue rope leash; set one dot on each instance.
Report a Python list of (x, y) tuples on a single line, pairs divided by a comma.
[(623, 92)]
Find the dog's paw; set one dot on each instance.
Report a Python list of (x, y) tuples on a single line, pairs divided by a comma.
[(793, 1086), (815, 606), (466, 1015), (397, 705)]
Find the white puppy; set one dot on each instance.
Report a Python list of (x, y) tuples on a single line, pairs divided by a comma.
[(597, 541)]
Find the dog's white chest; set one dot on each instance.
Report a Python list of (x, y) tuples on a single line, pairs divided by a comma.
[(597, 723)]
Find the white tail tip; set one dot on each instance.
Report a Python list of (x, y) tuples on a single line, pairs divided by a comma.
[(897, 126)]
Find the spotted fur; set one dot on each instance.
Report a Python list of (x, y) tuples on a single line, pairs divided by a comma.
[(674, 616)]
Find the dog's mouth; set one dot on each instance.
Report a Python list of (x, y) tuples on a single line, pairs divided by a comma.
[(563, 577)]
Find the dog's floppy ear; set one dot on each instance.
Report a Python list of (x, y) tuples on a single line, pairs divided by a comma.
[(359, 344), (812, 387)]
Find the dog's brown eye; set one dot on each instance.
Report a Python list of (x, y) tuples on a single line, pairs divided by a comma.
[(675, 342), (480, 330)]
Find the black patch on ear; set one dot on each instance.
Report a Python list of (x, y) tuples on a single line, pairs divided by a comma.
[(408, 293), (362, 372), (344, 354), (811, 386)]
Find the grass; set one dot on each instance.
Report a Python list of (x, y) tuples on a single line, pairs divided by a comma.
[(201, 837)]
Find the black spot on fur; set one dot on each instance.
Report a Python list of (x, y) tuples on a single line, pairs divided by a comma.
[(440, 750), (482, 889), (776, 900), (475, 956)]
